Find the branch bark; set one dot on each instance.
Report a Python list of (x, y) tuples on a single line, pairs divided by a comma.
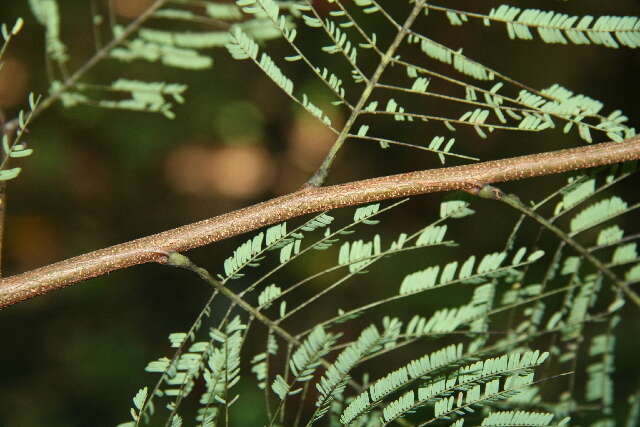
[(154, 248)]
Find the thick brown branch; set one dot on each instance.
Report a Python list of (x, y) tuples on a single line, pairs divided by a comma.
[(308, 200)]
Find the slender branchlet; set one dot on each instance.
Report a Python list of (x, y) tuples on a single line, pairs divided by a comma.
[(494, 193), (176, 259), (307, 200), (101, 54), (318, 178)]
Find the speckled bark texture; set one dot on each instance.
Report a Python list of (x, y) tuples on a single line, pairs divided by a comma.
[(308, 200)]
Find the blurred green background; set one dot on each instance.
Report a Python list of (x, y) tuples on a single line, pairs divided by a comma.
[(99, 177)]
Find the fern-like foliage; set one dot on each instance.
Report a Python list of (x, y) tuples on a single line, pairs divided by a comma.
[(555, 297), (482, 371), (484, 108), (517, 324), (490, 101), (13, 145), (139, 41), (555, 27)]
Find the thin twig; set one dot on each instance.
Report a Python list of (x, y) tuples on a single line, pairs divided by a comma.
[(8, 131), (3, 209), (494, 193), (305, 201), (318, 178), (96, 58), (176, 259)]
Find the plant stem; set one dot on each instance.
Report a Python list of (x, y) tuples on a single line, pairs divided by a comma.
[(317, 179), (3, 209), (96, 58), (490, 192), (307, 200), (176, 259)]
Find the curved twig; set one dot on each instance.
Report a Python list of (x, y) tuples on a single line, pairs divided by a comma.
[(307, 200)]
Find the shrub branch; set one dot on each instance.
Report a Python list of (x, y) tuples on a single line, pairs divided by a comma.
[(304, 201)]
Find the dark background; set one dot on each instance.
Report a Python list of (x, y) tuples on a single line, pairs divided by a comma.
[(98, 177)]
